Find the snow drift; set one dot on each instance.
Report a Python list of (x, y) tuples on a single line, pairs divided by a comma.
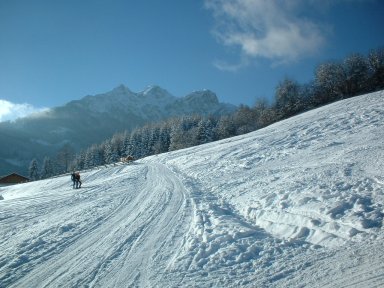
[(297, 204)]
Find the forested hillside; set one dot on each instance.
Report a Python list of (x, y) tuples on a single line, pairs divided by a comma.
[(333, 81), (356, 74)]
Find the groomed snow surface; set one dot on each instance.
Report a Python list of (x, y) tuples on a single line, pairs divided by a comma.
[(297, 204)]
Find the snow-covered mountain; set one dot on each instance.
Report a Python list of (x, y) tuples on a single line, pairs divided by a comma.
[(296, 204), (93, 119)]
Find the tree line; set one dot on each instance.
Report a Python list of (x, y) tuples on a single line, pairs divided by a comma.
[(334, 80)]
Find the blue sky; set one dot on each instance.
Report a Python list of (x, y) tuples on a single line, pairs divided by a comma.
[(55, 51)]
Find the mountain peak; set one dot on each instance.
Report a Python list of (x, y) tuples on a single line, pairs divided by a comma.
[(205, 94), (121, 89), (155, 90)]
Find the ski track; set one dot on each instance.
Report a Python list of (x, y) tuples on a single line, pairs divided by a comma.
[(117, 231), (297, 204)]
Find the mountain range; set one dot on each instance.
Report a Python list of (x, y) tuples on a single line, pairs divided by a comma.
[(92, 119)]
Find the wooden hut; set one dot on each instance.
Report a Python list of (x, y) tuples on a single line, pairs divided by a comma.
[(13, 178)]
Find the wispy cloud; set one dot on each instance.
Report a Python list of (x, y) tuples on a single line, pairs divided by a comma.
[(269, 29), (11, 111)]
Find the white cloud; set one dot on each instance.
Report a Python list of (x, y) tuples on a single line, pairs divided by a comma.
[(223, 65), (271, 29), (12, 111)]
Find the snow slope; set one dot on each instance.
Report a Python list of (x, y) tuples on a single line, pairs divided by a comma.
[(297, 204)]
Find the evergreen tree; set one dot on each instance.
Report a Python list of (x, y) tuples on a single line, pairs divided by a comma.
[(177, 135), (329, 79), (111, 154), (204, 131), (376, 69), (64, 157), (225, 127), (127, 150), (356, 75), (117, 143), (135, 148), (164, 139), (33, 170), (145, 144), (79, 161), (244, 120), (126, 144), (154, 139), (47, 169), (288, 98), (93, 157)]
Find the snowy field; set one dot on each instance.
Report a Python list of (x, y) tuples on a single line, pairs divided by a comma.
[(297, 204)]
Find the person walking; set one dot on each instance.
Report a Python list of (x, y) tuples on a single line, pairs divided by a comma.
[(78, 181), (73, 178)]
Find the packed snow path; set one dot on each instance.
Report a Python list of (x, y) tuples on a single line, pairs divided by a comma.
[(130, 225), (127, 218), (297, 204)]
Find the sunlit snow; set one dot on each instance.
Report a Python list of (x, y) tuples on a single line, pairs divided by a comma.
[(296, 204)]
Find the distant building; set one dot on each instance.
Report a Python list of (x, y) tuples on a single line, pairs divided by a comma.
[(13, 178)]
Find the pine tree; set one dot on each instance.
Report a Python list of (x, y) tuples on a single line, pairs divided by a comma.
[(135, 144), (110, 153), (127, 150), (34, 170), (79, 162), (92, 157), (125, 144), (176, 135), (356, 75), (204, 131), (48, 169), (329, 79), (164, 139), (376, 69), (154, 138), (64, 157), (145, 147), (117, 143), (225, 127), (288, 98)]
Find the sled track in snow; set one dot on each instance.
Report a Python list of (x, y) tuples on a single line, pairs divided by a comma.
[(140, 221)]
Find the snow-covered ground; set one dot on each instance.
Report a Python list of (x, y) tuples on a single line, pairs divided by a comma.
[(297, 204)]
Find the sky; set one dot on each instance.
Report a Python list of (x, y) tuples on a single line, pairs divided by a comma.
[(55, 51)]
